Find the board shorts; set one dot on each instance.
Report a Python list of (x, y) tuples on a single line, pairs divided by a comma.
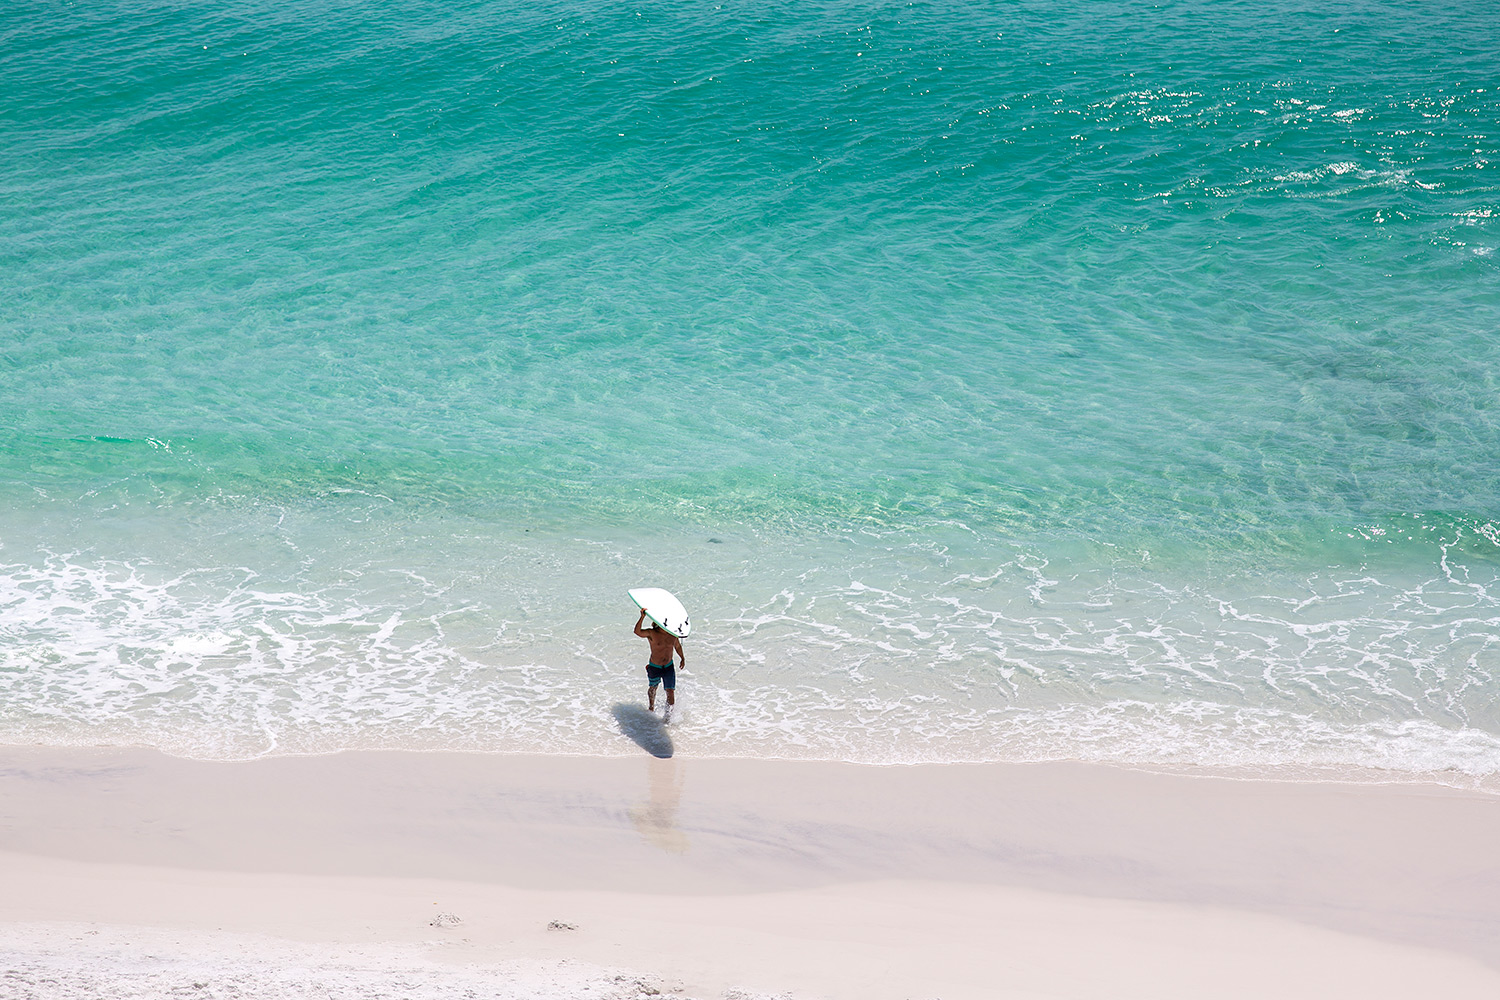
[(665, 676)]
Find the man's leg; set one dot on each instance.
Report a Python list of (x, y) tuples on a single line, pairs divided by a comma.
[(651, 696)]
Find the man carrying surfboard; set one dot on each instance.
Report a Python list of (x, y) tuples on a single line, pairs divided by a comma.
[(660, 669)]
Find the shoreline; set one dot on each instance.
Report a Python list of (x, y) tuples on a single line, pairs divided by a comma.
[(776, 875), (1454, 778)]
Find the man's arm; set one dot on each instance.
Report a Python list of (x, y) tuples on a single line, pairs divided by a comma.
[(638, 630), (681, 656)]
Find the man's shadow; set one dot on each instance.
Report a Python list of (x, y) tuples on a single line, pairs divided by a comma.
[(644, 729)]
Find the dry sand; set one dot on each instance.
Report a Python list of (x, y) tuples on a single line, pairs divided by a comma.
[(128, 873)]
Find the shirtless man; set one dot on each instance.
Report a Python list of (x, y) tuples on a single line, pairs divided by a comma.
[(660, 670)]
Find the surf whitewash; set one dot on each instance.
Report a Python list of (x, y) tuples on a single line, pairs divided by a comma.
[(994, 381)]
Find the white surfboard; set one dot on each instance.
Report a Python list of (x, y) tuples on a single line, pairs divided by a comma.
[(662, 608)]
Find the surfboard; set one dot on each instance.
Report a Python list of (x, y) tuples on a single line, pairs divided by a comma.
[(662, 608)]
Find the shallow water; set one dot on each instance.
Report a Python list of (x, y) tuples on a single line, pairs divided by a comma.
[(996, 382)]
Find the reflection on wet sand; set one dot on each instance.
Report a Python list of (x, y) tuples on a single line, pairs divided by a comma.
[(656, 818)]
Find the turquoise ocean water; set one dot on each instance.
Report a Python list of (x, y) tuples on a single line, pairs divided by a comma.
[(993, 381)]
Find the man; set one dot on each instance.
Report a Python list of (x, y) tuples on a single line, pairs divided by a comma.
[(660, 669)]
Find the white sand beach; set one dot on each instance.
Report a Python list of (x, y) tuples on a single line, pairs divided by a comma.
[(129, 873)]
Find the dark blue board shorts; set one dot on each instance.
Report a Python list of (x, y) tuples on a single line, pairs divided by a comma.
[(666, 676)]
